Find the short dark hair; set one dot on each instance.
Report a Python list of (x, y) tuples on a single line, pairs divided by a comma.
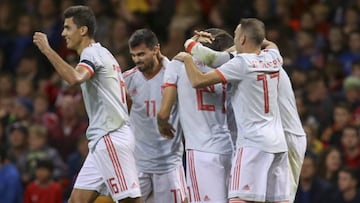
[(143, 36), (253, 29), (222, 39), (46, 164), (82, 16)]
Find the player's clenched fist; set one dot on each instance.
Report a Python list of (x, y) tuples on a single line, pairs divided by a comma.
[(41, 41), (181, 56)]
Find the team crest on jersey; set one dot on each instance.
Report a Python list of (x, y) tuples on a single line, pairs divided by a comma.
[(134, 91)]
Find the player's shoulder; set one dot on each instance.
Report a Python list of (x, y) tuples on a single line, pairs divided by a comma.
[(131, 72)]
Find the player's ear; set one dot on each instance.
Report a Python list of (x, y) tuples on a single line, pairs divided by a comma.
[(242, 40), (156, 49), (84, 30)]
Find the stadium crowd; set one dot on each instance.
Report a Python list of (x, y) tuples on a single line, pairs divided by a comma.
[(42, 118)]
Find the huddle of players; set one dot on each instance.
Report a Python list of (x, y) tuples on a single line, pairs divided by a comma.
[(162, 96)]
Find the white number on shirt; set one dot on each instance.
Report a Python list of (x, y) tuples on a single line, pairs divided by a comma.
[(150, 108)]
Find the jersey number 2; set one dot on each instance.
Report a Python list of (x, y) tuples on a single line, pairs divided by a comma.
[(210, 89), (263, 78)]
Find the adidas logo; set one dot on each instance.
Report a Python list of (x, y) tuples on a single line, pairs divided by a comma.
[(206, 198), (134, 185), (246, 187)]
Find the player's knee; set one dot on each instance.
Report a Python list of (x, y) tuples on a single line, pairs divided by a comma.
[(237, 200), (130, 200)]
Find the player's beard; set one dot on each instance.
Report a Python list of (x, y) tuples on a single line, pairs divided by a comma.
[(146, 67)]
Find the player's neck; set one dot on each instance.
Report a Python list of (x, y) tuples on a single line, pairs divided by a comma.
[(151, 73), (253, 49), (84, 43)]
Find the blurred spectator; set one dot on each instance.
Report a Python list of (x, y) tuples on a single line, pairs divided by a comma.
[(24, 88), (342, 117), (350, 141), (18, 146), (353, 53), (317, 100), (314, 146), (348, 192), (336, 44), (22, 40), (351, 20), (6, 85), (330, 163), (351, 87), (334, 76), (101, 9), (23, 110), (40, 150), (11, 190), (43, 116), (320, 12), (355, 69), (312, 189), (308, 56), (70, 128), (305, 117), (43, 189), (118, 36), (75, 161)]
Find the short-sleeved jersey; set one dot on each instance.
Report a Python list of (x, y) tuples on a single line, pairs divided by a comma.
[(153, 153), (202, 111), (289, 115), (256, 78), (104, 92)]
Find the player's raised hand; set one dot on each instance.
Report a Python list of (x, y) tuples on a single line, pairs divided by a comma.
[(181, 56), (41, 41), (202, 36)]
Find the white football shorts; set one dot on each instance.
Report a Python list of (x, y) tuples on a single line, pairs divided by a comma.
[(110, 168), (296, 154), (259, 176), (207, 176), (165, 187)]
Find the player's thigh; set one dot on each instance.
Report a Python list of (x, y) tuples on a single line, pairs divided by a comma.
[(89, 182), (114, 157), (83, 196), (249, 174), (278, 186), (170, 187), (146, 186), (207, 176)]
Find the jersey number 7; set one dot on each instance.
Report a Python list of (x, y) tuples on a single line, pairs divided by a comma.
[(263, 77)]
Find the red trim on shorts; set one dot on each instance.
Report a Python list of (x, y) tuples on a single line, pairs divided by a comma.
[(236, 172), (91, 71), (182, 181), (221, 75), (193, 178), (191, 45), (116, 163)]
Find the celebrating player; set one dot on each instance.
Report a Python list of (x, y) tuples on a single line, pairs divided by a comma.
[(259, 169), (110, 164), (159, 160), (203, 118), (294, 132)]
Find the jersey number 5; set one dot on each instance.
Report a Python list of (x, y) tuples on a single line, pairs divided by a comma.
[(263, 78)]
